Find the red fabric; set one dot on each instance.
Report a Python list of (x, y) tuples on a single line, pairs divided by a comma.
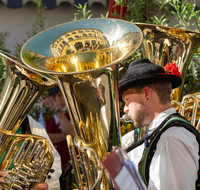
[(110, 8), (61, 147), (120, 11)]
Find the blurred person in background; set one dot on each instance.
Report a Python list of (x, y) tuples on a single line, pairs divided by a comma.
[(56, 120)]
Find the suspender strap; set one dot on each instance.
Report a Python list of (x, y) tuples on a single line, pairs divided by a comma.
[(134, 145), (141, 141), (174, 120)]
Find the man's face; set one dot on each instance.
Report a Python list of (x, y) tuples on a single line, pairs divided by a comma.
[(135, 105), (57, 98)]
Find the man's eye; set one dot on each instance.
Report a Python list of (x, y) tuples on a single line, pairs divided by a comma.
[(126, 99)]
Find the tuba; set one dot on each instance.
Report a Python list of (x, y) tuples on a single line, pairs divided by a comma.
[(83, 57), (162, 45), (25, 158)]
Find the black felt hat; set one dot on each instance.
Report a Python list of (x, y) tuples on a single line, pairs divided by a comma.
[(53, 90), (143, 72)]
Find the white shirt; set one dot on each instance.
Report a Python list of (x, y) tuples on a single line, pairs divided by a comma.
[(174, 165), (53, 182)]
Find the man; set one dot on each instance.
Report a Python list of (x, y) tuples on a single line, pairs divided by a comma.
[(145, 88)]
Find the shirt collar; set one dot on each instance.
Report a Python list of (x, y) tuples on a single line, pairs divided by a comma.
[(158, 119)]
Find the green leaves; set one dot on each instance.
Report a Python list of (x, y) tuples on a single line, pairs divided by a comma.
[(2, 72), (37, 27), (3, 36), (120, 3), (102, 16), (184, 12), (160, 21), (82, 10), (144, 10)]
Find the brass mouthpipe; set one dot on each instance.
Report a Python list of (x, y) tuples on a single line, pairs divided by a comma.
[(99, 166), (85, 165), (126, 118), (75, 165)]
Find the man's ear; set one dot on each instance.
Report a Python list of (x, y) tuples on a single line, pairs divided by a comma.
[(147, 92)]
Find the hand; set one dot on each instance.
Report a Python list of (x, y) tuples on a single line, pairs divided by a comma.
[(47, 103), (41, 186), (2, 174), (55, 101), (57, 104)]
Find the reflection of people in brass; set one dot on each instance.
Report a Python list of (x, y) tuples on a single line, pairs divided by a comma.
[(169, 152), (58, 126)]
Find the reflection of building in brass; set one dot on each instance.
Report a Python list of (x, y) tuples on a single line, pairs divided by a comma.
[(130, 37), (83, 61), (75, 41)]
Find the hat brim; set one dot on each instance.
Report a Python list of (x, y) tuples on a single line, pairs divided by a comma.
[(53, 90), (132, 82)]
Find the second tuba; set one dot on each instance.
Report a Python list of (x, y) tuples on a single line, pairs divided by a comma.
[(162, 45), (25, 158)]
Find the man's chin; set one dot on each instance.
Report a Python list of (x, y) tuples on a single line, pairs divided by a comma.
[(138, 126)]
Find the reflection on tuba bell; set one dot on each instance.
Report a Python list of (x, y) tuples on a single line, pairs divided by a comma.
[(27, 159), (83, 56)]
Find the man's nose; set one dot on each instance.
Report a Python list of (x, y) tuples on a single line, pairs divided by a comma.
[(126, 109), (52, 98)]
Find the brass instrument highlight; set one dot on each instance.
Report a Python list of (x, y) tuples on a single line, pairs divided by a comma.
[(188, 108), (83, 57), (26, 158)]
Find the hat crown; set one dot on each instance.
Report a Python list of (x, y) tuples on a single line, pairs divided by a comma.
[(143, 67), (143, 72)]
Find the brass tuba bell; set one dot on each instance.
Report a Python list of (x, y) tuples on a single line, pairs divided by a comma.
[(26, 158), (162, 45), (83, 56)]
